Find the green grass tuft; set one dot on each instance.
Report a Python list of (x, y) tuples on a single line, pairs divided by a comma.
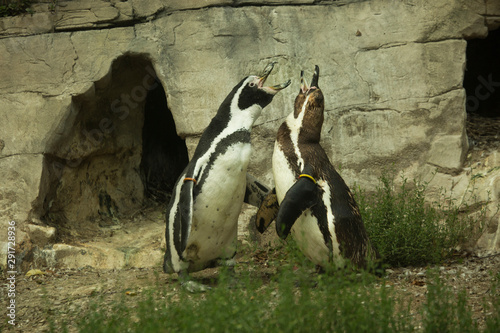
[(343, 302), (409, 231), (445, 312)]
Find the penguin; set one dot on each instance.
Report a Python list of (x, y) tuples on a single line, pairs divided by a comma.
[(311, 200), (202, 215)]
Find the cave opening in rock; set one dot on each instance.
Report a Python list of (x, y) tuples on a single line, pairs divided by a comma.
[(164, 153), (482, 86), (116, 149)]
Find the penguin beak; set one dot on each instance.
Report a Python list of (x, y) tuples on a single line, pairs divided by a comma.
[(314, 81), (273, 89), (303, 84), (305, 89)]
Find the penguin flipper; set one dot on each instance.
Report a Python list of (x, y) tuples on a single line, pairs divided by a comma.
[(179, 217), (267, 212), (300, 197), (256, 191), (185, 216)]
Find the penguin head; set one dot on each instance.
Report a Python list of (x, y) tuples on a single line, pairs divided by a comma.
[(253, 91), (309, 106)]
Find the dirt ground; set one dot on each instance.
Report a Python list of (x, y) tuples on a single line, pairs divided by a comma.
[(61, 294)]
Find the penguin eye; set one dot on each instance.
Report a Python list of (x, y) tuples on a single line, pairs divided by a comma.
[(252, 84)]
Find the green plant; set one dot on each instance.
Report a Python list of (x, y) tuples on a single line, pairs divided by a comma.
[(53, 5), (445, 312), (15, 7), (408, 230), (335, 303), (293, 301), (492, 306)]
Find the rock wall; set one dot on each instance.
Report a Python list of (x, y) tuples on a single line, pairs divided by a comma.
[(75, 78)]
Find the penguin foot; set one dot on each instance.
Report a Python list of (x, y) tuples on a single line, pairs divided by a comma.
[(229, 263), (194, 287), (191, 286)]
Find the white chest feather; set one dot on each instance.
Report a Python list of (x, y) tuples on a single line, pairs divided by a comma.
[(309, 238), (284, 176), (217, 206), (308, 235), (327, 196), (305, 230), (295, 125)]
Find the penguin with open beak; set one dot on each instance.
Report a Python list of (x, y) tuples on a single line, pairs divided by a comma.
[(311, 200), (202, 216)]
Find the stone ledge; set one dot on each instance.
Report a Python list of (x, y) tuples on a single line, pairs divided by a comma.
[(98, 14), (72, 256)]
